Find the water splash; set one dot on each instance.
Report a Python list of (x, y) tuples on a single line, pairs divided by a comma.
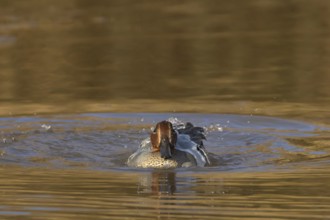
[(104, 141)]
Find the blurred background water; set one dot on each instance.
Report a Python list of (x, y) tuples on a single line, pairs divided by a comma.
[(82, 82), (214, 56)]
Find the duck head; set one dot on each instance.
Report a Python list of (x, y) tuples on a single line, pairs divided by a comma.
[(163, 139)]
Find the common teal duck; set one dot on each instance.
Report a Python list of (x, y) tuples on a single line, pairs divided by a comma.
[(171, 144)]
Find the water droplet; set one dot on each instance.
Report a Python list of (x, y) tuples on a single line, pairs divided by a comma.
[(46, 127)]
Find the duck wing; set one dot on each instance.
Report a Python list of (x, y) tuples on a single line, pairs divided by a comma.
[(197, 135)]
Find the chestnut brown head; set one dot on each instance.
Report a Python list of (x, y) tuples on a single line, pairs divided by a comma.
[(163, 139)]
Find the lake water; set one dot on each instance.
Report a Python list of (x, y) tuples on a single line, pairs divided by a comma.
[(82, 83)]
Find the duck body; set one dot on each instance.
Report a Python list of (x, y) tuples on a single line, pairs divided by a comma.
[(172, 144)]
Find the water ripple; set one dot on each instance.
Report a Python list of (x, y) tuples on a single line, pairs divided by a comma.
[(103, 141)]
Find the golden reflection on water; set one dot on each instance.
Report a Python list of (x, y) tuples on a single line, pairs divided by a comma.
[(80, 54), (70, 194)]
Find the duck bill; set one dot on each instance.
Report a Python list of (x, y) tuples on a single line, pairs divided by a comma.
[(165, 149)]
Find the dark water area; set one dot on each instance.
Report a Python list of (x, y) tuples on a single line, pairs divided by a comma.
[(82, 83)]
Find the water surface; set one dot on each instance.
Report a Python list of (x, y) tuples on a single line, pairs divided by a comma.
[(255, 72), (83, 56), (74, 166)]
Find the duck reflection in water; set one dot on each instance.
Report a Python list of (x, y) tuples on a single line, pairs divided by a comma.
[(158, 182), (172, 144), (165, 183)]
